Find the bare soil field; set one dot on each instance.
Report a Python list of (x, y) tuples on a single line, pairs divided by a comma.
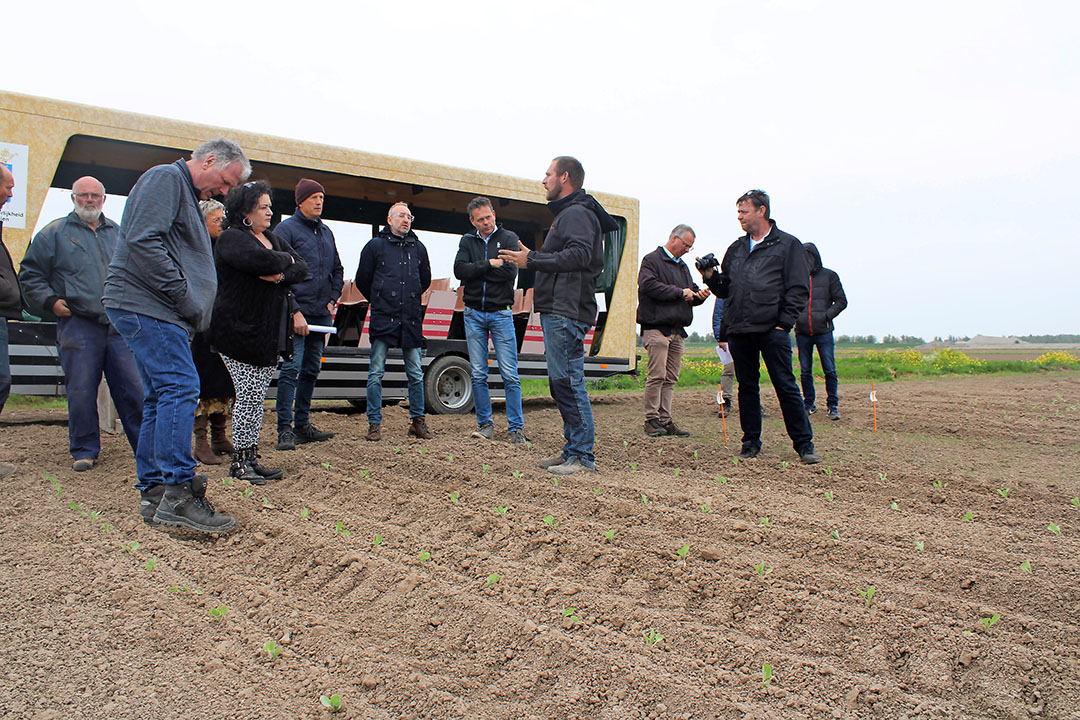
[(466, 610)]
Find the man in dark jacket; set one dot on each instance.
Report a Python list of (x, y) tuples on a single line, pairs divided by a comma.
[(489, 298), (10, 303), (159, 291), (567, 267), (666, 298), (394, 272), (764, 282), (814, 328), (315, 297), (63, 275)]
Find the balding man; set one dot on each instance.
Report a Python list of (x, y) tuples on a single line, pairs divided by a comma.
[(63, 274)]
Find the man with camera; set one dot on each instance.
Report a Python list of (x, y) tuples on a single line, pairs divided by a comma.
[(666, 298), (764, 281)]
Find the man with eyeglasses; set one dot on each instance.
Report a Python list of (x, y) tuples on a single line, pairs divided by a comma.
[(765, 285), (393, 274), (667, 295), (63, 277)]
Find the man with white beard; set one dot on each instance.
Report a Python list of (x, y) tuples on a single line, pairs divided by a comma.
[(63, 275)]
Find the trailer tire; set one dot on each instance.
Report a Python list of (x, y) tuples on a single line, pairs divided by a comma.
[(448, 386)]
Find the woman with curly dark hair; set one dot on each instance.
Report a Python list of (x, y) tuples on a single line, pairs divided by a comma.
[(250, 325)]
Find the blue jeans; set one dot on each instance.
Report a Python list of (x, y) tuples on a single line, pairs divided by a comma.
[(376, 368), (88, 349), (5, 364), (775, 347), (170, 394), (825, 348), (564, 347), (500, 324), (298, 376)]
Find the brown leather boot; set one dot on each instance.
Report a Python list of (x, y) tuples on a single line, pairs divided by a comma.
[(419, 429), (373, 433), (202, 451), (219, 441)]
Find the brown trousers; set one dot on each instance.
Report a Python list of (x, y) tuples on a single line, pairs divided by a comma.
[(665, 359)]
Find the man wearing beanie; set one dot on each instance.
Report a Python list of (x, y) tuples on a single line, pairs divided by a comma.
[(315, 299)]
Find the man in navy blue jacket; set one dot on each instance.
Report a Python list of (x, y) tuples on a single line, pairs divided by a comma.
[(315, 298)]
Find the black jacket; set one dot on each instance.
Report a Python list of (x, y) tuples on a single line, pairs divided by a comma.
[(487, 288), (393, 273), (314, 242), (571, 258), (661, 281), (10, 296), (827, 299), (252, 317), (763, 289)]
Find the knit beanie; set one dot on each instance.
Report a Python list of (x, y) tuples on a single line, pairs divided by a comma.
[(306, 188)]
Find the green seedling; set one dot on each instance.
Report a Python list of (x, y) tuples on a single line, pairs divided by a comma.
[(74, 506), (705, 509), (486, 467), (365, 474), (721, 480), (132, 547), (555, 481), (422, 451), (835, 534), (247, 492), (784, 464), (397, 448), (828, 495), (339, 527), (455, 497), (492, 579), (940, 484), (1026, 566), (763, 522), (218, 612), (989, 622), (625, 444), (95, 515), (828, 470), (766, 675), (105, 528), (652, 637), (633, 466), (597, 491), (376, 541), (266, 500), (894, 505), (516, 473), (55, 484), (1003, 492), (677, 471), (867, 594), (571, 613), (424, 556), (681, 552), (325, 465), (881, 476), (501, 509), (609, 535), (304, 512), (644, 498), (226, 482), (760, 570), (450, 458), (551, 522), (919, 545), (151, 563), (177, 588), (1054, 529), (1075, 502), (332, 703), (272, 649), (968, 517), (695, 454), (734, 461), (659, 451)]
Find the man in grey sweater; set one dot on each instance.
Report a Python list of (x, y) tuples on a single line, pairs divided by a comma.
[(159, 291)]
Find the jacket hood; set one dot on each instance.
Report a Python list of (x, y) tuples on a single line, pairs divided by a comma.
[(410, 237), (813, 257), (580, 197)]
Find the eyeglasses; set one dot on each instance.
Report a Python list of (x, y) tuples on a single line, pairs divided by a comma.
[(90, 196), (405, 216)]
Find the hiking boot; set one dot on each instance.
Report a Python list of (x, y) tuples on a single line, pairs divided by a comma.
[(148, 502), (419, 429), (517, 437), (834, 414), (653, 428), (672, 429), (185, 506), (242, 470), (253, 463), (202, 451), (83, 464), (373, 433), (310, 433), (485, 432), (286, 439), (749, 452), (552, 461), (809, 457), (219, 441), (571, 466)]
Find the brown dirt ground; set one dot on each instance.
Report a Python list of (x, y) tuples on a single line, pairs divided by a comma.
[(90, 632)]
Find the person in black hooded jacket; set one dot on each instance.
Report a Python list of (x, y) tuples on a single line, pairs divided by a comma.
[(567, 267), (814, 328)]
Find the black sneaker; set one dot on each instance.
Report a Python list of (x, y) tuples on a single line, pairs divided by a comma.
[(286, 439), (672, 429), (749, 452), (148, 502), (262, 472), (310, 433), (185, 506), (809, 457)]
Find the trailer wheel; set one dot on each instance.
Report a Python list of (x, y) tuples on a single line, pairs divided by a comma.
[(448, 386)]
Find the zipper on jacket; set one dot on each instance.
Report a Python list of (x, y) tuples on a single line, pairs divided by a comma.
[(810, 306)]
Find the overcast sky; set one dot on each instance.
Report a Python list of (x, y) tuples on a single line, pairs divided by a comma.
[(929, 149)]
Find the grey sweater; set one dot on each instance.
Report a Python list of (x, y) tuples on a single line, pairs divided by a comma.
[(163, 266)]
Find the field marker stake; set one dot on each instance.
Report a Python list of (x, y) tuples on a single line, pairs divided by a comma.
[(723, 417), (873, 401)]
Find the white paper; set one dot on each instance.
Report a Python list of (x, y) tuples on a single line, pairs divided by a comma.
[(724, 355), (322, 329), (15, 158)]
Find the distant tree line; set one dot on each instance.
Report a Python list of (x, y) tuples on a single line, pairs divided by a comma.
[(1051, 338)]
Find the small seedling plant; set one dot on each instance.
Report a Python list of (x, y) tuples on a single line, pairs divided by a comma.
[(968, 517), (681, 552), (644, 498), (339, 527), (151, 563), (652, 637), (218, 612), (940, 484), (551, 522), (633, 467), (304, 512), (828, 470), (376, 541), (1052, 527), (784, 464), (1026, 566), (424, 556), (501, 509), (828, 495), (517, 474), (763, 522), (760, 570), (990, 621), (486, 467), (1003, 492), (722, 480), (920, 545), (331, 702), (132, 547), (1075, 502), (835, 534), (492, 579), (705, 509), (272, 649), (455, 497), (894, 505), (609, 535), (766, 675), (571, 613), (867, 595)]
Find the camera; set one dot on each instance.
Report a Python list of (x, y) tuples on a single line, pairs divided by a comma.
[(707, 262)]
